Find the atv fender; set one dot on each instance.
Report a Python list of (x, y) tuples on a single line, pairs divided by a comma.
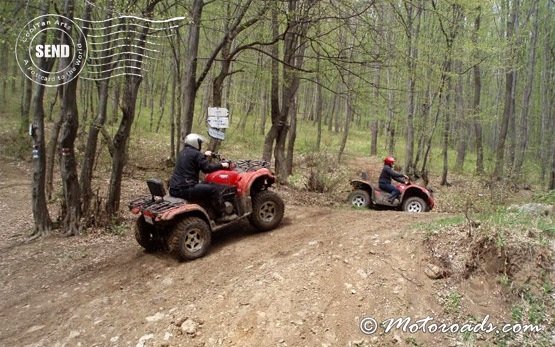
[(421, 193), (361, 184), (245, 184), (187, 208)]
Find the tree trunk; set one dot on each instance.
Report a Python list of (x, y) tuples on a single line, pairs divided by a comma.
[(446, 129), (375, 123), (43, 223), (218, 86), (97, 124), (292, 137), (172, 112), (461, 120), (25, 106), (390, 125), (347, 126), (552, 178), (121, 139), (274, 93), (190, 69), (523, 136), (413, 30), (53, 145), (70, 126), (509, 95), (319, 101), (263, 108), (41, 216), (92, 142), (476, 98)]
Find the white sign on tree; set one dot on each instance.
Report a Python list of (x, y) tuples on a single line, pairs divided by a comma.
[(218, 118)]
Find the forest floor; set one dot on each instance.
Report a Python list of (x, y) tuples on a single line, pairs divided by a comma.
[(310, 282)]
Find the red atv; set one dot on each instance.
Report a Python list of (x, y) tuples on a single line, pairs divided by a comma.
[(413, 198), (185, 227)]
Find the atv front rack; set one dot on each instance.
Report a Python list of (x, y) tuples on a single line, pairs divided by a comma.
[(248, 165)]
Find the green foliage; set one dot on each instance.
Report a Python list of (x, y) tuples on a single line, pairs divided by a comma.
[(116, 227), (546, 198), (452, 303), (440, 224)]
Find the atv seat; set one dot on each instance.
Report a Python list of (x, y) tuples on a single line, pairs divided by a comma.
[(381, 197), (173, 199), (156, 188)]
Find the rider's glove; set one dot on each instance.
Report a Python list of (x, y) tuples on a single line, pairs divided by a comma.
[(225, 165), (208, 153)]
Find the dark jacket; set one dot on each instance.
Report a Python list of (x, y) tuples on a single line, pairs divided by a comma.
[(190, 161), (388, 174)]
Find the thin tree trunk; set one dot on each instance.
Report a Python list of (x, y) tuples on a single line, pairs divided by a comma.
[(25, 106), (509, 95), (190, 69), (172, 113), (413, 30), (347, 126), (292, 137), (461, 119), (552, 178), (319, 101), (128, 107), (275, 112), (476, 99), (446, 129), (263, 108), (51, 155), (41, 216), (70, 126), (390, 125), (523, 136)]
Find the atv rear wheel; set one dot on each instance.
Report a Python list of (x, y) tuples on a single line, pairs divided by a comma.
[(267, 210), (359, 198), (415, 204), (145, 235), (190, 238)]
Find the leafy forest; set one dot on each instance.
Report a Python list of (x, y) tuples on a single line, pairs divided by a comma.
[(465, 86)]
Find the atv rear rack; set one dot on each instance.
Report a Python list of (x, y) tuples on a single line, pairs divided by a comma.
[(154, 206)]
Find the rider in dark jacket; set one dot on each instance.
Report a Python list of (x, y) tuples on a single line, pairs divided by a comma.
[(184, 182), (387, 175)]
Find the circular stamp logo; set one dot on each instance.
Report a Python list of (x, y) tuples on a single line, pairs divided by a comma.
[(51, 50)]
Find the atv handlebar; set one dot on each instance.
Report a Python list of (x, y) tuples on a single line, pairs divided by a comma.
[(223, 160)]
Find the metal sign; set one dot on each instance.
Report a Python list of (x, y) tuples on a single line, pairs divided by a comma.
[(219, 112), (218, 122), (217, 134)]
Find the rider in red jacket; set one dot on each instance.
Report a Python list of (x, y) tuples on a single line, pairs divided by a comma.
[(387, 175)]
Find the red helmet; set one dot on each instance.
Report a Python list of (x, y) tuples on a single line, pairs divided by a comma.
[(389, 160)]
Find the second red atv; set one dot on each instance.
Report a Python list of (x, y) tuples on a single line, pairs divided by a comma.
[(185, 227), (413, 198)]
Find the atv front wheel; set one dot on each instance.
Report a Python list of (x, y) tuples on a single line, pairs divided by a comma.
[(267, 210), (190, 238), (145, 235), (359, 198), (415, 204)]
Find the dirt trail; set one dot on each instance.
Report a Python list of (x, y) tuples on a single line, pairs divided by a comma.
[(308, 283)]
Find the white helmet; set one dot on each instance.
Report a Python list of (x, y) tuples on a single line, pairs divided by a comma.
[(195, 140)]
